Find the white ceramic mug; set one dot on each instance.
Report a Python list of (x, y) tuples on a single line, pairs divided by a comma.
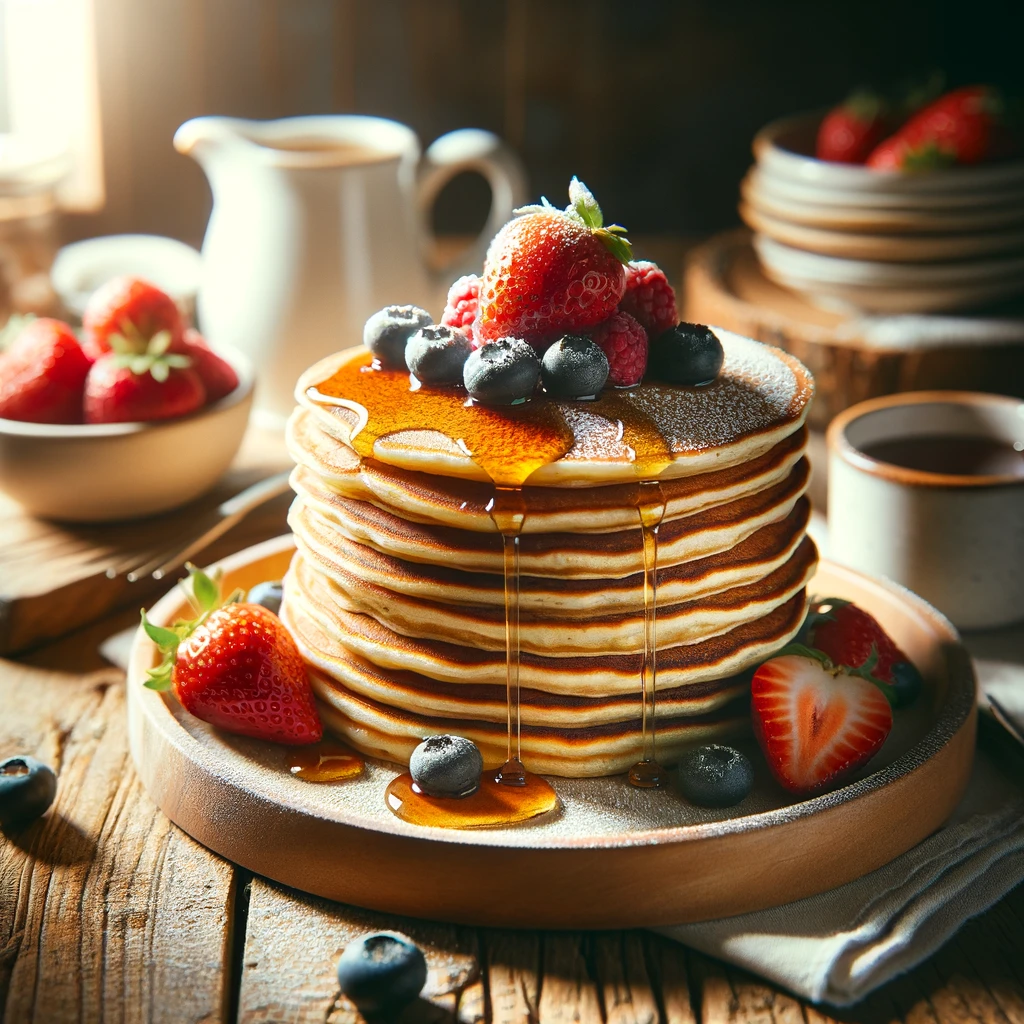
[(957, 540), (320, 221)]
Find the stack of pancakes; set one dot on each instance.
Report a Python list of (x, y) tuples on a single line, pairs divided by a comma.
[(396, 593)]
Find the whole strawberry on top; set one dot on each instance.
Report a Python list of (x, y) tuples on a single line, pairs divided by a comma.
[(42, 375), (236, 667), (851, 131), (552, 271), (132, 308)]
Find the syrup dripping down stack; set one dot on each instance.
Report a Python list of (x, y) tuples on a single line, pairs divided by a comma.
[(396, 596)]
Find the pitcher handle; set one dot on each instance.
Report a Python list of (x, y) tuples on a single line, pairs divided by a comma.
[(470, 149)]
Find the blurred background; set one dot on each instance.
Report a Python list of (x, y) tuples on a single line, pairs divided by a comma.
[(652, 103)]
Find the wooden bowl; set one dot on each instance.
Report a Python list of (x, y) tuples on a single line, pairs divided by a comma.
[(615, 857)]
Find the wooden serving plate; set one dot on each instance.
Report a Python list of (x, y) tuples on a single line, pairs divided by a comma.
[(614, 856)]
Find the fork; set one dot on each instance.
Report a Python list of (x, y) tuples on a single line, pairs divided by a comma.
[(220, 520)]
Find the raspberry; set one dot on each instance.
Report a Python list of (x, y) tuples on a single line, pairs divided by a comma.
[(624, 341), (649, 298), (463, 302)]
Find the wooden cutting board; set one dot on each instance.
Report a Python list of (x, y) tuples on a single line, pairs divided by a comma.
[(53, 576)]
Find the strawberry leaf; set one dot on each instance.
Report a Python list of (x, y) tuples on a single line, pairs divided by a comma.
[(159, 343), (206, 591), (163, 637), (584, 205), (803, 651), (618, 246), (159, 370)]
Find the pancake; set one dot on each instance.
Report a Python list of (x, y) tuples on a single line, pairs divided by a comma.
[(464, 504), (759, 398), (581, 555)]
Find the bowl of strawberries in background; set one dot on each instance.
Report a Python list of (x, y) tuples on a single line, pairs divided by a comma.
[(137, 416), (892, 207)]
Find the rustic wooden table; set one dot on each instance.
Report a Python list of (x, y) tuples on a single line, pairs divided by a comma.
[(108, 912)]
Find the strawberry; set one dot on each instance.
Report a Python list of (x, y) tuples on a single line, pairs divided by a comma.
[(236, 667), (217, 374), (852, 130), (126, 387), (132, 308), (851, 637), (816, 723), (552, 271), (42, 375), (962, 127)]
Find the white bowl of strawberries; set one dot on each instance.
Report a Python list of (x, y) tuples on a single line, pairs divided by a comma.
[(137, 417)]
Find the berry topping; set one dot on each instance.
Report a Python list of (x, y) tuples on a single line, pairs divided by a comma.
[(27, 788), (649, 298), (504, 372), (574, 367), (816, 723), (624, 343), (463, 303), (124, 386), (217, 374), (853, 638), (715, 776), (386, 333), (850, 131), (269, 594), (381, 973), (437, 354), (687, 354), (236, 667), (132, 308), (551, 271), (42, 375), (447, 766)]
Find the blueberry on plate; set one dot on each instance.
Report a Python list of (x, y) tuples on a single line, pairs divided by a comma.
[(906, 683), (715, 776), (447, 766), (27, 788), (268, 594), (686, 354), (437, 354), (382, 972), (503, 372), (574, 367), (386, 332)]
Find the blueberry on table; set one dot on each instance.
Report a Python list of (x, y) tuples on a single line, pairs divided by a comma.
[(268, 594), (574, 367), (503, 372), (715, 776), (27, 788), (388, 330), (688, 354), (437, 354), (906, 682), (447, 766), (382, 972)]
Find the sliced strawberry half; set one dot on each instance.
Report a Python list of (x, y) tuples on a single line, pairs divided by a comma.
[(816, 723)]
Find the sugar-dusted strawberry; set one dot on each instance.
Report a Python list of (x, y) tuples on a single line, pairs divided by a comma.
[(124, 386), (962, 127), (852, 637), (217, 374), (132, 308), (551, 271), (463, 303), (649, 298), (624, 341), (236, 667), (42, 375), (851, 131), (816, 723)]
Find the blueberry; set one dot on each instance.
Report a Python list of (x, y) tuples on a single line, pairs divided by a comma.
[(27, 788), (505, 372), (388, 330), (382, 972), (906, 683), (447, 766), (574, 367), (715, 776), (268, 594), (437, 354), (686, 354)]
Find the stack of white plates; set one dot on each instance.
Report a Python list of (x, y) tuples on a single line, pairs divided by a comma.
[(883, 241)]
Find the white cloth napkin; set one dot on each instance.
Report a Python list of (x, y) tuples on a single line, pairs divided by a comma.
[(840, 945)]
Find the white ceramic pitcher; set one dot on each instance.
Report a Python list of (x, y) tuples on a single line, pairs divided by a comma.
[(318, 222)]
